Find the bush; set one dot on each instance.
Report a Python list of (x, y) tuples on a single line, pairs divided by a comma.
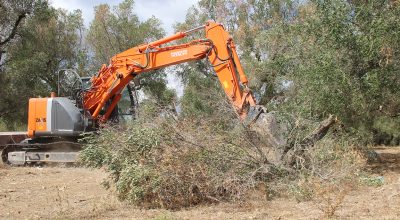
[(173, 164), (169, 163)]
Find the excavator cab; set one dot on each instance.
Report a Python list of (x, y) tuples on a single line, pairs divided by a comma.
[(56, 116)]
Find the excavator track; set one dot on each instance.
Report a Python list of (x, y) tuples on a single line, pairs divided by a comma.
[(7, 138), (26, 154), (18, 150)]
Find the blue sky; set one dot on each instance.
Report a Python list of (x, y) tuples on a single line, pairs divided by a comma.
[(168, 11)]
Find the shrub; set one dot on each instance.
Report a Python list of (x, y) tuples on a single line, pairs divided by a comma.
[(173, 164), (164, 162)]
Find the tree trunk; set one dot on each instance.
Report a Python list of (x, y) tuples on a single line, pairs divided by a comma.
[(298, 150)]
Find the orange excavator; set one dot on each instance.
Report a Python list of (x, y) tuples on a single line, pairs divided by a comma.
[(56, 123)]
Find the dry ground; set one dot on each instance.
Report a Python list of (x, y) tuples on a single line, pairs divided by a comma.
[(76, 193)]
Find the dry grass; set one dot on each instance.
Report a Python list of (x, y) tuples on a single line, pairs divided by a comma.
[(328, 165), (93, 210), (80, 196), (333, 172), (2, 165), (329, 196)]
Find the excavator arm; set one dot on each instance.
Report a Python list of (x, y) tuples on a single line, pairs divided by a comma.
[(218, 47)]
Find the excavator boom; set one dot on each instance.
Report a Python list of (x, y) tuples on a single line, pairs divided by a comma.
[(217, 46)]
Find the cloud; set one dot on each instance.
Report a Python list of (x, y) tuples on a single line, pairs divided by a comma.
[(168, 11)]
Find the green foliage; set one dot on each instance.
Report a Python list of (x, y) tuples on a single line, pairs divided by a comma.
[(12, 16), (316, 58), (49, 40), (155, 88), (344, 58), (129, 156), (3, 126), (201, 96), (375, 181), (160, 162), (164, 217), (387, 131), (116, 29)]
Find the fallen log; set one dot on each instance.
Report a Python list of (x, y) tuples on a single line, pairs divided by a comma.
[(320, 132)]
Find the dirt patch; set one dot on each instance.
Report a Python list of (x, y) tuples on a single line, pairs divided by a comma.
[(70, 193)]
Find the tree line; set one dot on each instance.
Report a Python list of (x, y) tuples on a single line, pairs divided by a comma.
[(305, 59)]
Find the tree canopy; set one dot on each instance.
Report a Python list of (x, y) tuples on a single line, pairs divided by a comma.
[(313, 58)]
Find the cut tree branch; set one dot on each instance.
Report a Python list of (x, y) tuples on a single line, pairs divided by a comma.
[(320, 132)]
